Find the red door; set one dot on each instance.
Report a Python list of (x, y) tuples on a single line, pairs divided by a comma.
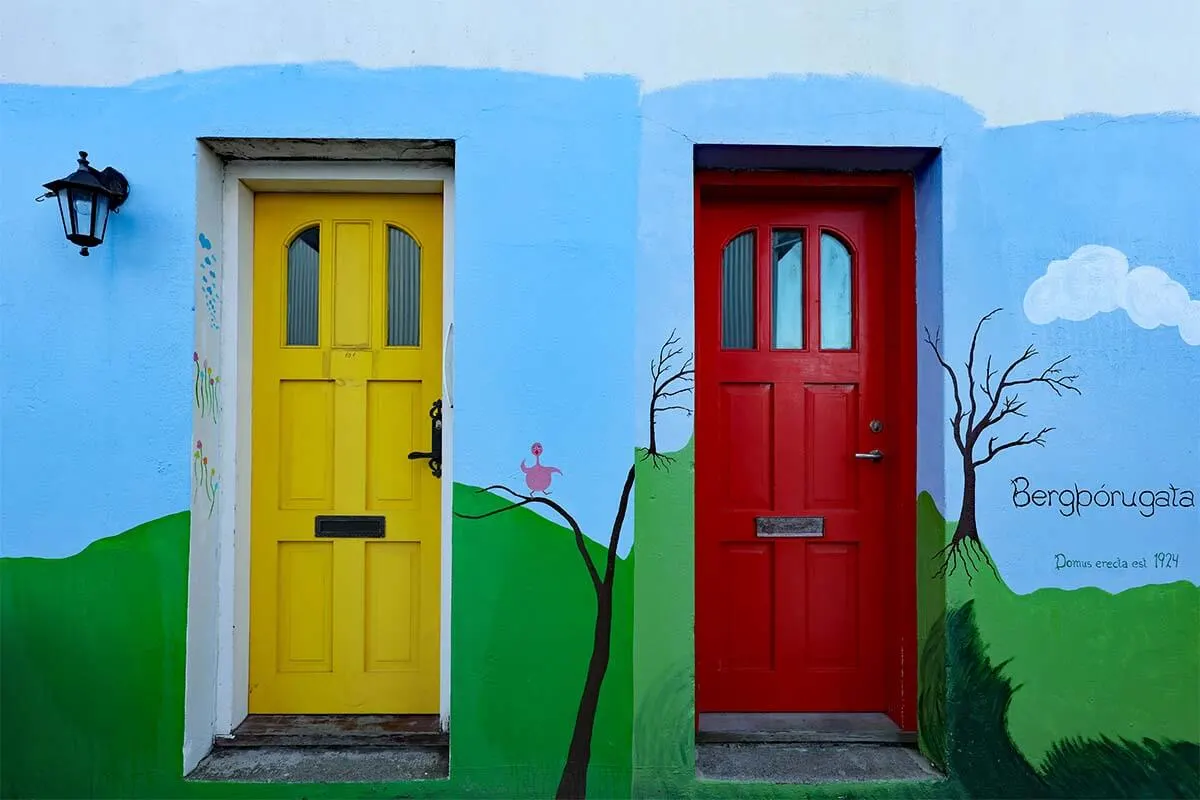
[(796, 456)]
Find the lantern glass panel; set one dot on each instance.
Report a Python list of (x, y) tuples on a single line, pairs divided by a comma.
[(101, 216), (81, 205), (66, 207)]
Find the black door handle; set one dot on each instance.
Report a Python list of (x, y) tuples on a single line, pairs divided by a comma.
[(435, 434)]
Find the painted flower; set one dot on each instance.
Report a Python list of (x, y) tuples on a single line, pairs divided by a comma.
[(195, 356), (198, 444), (204, 461)]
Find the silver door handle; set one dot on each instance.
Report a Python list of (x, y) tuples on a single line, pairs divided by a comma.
[(874, 455)]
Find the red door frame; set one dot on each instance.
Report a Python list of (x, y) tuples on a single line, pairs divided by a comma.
[(895, 190)]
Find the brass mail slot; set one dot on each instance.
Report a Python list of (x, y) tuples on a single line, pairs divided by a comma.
[(350, 527), (789, 527)]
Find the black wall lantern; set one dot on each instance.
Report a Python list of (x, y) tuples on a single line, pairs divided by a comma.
[(84, 199)]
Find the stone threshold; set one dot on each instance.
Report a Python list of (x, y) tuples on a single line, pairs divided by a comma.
[(314, 764), (764, 762), (329, 748), (808, 728)]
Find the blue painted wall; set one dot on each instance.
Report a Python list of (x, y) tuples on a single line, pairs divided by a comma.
[(1036, 194), (97, 352), (573, 249)]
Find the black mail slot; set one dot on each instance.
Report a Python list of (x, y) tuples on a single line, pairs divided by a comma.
[(350, 527), (781, 527)]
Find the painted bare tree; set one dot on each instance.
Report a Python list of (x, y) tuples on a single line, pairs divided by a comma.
[(673, 377), (978, 408)]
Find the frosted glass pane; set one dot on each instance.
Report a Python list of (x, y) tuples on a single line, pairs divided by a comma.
[(303, 287), (787, 291), (404, 289), (737, 295), (837, 314)]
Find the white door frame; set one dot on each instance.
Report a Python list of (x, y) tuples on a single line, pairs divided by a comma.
[(224, 614)]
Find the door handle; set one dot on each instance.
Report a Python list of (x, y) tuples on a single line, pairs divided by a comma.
[(435, 435), (873, 455)]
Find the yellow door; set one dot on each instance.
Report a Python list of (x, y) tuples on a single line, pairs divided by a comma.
[(345, 528)]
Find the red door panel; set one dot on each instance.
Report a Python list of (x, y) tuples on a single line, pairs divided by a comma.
[(791, 614), (831, 583), (748, 634), (746, 411), (829, 424)]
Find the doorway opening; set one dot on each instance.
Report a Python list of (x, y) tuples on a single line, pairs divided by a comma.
[(319, 575), (806, 436)]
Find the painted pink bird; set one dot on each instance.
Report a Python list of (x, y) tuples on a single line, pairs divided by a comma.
[(538, 477)]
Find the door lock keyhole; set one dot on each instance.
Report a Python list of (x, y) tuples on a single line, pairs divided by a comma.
[(876, 426)]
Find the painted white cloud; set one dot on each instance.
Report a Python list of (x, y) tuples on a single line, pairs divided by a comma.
[(1097, 279)]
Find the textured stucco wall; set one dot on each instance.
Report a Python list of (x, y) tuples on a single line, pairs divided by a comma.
[(573, 242)]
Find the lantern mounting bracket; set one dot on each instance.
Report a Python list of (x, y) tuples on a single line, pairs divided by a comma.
[(117, 185)]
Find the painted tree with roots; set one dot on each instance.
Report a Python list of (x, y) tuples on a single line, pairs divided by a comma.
[(672, 378), (978, 408)]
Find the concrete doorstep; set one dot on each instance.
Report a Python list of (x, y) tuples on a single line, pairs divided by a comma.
[(811, 763), (323, 764)]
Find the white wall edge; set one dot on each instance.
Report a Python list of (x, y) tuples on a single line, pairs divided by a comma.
[(203, 558), (448, 437), (224, 613)]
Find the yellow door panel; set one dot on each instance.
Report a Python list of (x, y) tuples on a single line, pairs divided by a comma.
[(350, 437), (397, 424), (352, 268), (393, 602), (346, 365), (305, 621), (305, 444)]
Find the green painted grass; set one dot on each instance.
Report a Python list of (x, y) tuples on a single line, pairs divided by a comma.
[(931, 634), (984, 758), (1088, 663), (875, 790), (92, 668), (523, 624), (664, 698)]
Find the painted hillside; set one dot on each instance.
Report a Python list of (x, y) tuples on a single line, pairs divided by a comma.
[(1066, 693), (1089, 663), (92, 669)]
